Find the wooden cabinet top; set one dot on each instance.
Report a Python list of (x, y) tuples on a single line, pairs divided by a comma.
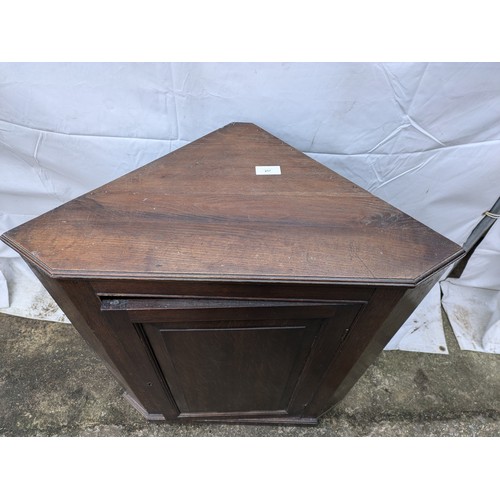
[(202, 213)]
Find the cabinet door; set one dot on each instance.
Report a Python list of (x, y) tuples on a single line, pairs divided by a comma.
[(240, 358)]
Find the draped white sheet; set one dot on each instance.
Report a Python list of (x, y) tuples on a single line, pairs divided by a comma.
[(424, 137)]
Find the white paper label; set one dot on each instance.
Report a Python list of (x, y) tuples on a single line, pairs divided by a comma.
[(268, 170)]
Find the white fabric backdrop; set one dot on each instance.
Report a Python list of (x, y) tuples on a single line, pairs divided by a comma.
[(424, 137)]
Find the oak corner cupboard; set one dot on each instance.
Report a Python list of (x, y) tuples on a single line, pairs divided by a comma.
[(234, 279)]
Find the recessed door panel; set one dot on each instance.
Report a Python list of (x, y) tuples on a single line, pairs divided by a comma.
[(249, 368)]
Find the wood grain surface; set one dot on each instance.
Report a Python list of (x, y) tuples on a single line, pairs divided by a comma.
[(202, 211)]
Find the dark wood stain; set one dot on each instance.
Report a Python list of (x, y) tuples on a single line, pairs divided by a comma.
[(213, 294), (201, 212)]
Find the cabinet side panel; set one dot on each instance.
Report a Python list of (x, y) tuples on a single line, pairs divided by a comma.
[(78, 301), (386, 312), (57, 290)]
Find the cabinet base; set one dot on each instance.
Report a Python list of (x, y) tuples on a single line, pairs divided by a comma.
[(154, 417), (283, 420), (217, 419)]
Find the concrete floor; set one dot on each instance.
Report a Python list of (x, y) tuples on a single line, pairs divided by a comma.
[(51, 384)]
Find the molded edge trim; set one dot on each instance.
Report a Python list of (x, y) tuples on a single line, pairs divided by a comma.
[(92, 274)]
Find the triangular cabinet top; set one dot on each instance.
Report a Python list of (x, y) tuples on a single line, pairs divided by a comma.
[(203, 212)]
